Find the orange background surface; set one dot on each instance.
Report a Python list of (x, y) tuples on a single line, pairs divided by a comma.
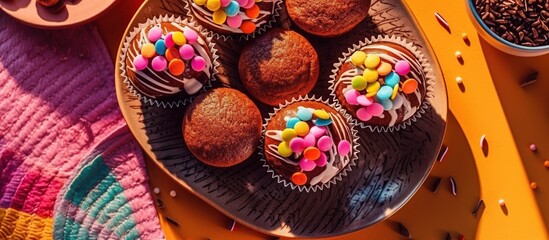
[(490, 102)]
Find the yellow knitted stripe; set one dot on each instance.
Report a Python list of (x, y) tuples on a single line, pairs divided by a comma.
[(20, 225)]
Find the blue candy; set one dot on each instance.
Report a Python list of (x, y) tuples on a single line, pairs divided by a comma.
[(384, 93), (323, 122), (387, 104), (392, 79), (291, 122), (304, 114), (160, 47), (232, 9)]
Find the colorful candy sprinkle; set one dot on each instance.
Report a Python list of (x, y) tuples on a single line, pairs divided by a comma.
[(392, 79), (284, 149), (247, 27), (299, 178), (154, 34), (310, 140), (322, 114), (160, 47), (232, 9), (322, 160), (402, 67), (190, 35), (186, 52), (372, 61), (410, 86), (363, 114), (179, 38), (375, 109), (140, 63), (384, 93), (219, 17), (234, 21), (159, 63), (307, 165), (370, 75), (148, 50), (297, 145), (290, 123), (317, 131), (358, 58), (325, 143), (323, 122), (364, 101), (176, 67), (168, 40), (213, 5), (304, 114), (533, 147), (351, 96), (172, 53), (359, 83), (546, 164), (384, 69), (288, 134), (198, 63), (344, 148), (311, 153), (301, 128)]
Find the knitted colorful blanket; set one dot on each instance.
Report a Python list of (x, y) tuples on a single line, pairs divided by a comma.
[(68, 165)]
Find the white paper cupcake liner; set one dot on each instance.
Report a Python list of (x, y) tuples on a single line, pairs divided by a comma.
[(240, 36), (427, 70), (339, 176), (162, 102)]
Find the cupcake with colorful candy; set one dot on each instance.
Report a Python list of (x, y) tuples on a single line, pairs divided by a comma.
[(383, 82), (309, 144), (235, 17), (167, 61)]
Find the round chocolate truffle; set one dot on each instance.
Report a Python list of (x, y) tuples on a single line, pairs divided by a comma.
[(327, 18), (278, 66), (308, 143), (222, 127)]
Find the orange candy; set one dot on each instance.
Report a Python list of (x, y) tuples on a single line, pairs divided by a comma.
[(148, 50), (247, 27), (253, 12), (176, 67), (171, 53), (311, 153), (409, 86), (299, 178)]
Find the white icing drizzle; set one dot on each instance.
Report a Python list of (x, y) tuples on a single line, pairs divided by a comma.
[(204, 15), (159, 84), (416, 73), (332, 168)]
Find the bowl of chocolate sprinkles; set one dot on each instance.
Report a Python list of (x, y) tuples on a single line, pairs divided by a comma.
[(517, 27)]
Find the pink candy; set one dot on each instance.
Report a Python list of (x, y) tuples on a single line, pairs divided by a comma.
[(310, 140), (199, 63), (352, 96), (154, 34), (364, 101), (307, 165), (297, 145), (168, 40), (190, 35), (375, 109), (186, 52), (317, 131), (242, 2), (159, 63), (363, 114), (140, 62), (250, 4), (225, 3), (402, 67), (344, 147), (325, 143), (235, 21), (322, 160)]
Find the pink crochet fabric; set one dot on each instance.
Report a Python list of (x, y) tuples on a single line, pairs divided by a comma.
[(57, 102)]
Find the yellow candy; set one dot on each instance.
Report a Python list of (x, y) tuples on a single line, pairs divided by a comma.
[(148, 50), (373, 87), (219, 17), (384, 69), (179, 38), (359, 83), (370, 75), (372, 61), (200, 2), (301, 128), (322, 114), (395, 92), (284, 149), (213, 5), (371, 94), (358, 58), (288, 134)]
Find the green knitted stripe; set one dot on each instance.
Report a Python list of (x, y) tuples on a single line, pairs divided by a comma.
[(87, 180)]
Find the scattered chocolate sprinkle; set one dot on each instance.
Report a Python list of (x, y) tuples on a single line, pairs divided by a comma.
[(478, 207), (453, 186), (534, 185), (435, 184), (532, 78), (404, 231), (465, 38), (232, 226), (172, 221), (533, 147), (159, 203), (442, 21), (442, 153), (448, 236)]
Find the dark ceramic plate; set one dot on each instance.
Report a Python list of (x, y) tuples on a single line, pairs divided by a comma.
[(391, 166)]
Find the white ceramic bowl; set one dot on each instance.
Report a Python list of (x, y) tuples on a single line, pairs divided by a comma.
[(497, 41)]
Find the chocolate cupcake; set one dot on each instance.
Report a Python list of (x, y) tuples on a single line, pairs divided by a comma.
[(242, 18), (327, 18), (309, 144), (278, 66), (166, 61), (384, 82), (222, 127)]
